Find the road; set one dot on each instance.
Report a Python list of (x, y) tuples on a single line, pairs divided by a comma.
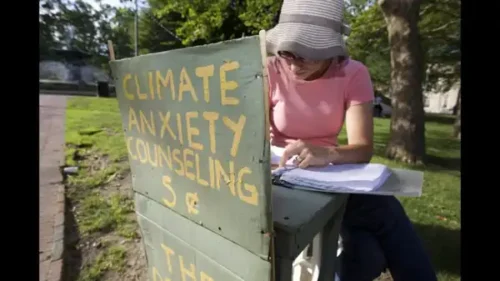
[(52, 117)]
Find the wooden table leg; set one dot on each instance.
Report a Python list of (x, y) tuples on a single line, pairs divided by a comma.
[(329, 241)]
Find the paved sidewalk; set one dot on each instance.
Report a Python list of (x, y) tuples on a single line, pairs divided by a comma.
[(52, 118)]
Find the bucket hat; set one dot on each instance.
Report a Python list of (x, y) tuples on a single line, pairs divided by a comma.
[(311, 29)]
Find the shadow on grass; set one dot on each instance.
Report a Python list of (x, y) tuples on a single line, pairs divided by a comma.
[(436, 146), (443, 119), (449, 163), (73, 255), (443, 246), (440, 118)]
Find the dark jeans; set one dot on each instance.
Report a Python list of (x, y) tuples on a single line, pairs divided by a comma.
[(376, 235)]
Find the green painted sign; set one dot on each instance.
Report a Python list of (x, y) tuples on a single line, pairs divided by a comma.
[(194, 121), (190, 250)]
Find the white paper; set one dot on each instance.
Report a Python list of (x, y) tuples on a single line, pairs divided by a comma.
[(276, 153), (359, 177), (333, 178)]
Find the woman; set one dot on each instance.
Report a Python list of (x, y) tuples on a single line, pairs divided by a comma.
[(314, 88)]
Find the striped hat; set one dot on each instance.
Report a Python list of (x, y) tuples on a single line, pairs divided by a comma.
[(311, 29)]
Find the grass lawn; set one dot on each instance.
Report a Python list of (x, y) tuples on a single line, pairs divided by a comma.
[(105, 237), (95, 143)]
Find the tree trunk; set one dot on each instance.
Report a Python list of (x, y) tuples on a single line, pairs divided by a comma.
[(407, 139), (457, 127), (455, 108)]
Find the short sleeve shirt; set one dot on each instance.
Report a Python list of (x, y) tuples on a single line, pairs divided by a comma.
[(314, 111)]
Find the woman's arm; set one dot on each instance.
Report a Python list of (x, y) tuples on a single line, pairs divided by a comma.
[(359, 148), (358, 120), (359, 127)]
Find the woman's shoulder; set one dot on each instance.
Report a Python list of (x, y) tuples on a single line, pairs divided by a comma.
[(352, 67)]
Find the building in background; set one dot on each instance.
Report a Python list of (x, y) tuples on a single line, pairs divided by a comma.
[(441, 102), (434, 101), (71, 71), (71, 66)]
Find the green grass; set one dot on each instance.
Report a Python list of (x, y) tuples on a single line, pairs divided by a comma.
[(105, 214), (94, 127), (95, 143), (112, 258)]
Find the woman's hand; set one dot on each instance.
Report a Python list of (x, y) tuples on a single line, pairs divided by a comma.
[(308, 155)]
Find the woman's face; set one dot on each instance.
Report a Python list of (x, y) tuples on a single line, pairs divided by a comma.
[(304, 69)]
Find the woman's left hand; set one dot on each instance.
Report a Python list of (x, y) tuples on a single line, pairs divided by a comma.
[(307, 155)]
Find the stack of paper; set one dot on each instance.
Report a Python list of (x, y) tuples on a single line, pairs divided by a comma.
[(332, 178)]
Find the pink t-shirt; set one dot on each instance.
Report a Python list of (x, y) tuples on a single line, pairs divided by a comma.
[(314, 111)]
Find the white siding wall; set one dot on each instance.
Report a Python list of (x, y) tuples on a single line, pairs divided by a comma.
[(441, 102)]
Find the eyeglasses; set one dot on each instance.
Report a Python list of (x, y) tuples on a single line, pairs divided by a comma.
[(294, 58)]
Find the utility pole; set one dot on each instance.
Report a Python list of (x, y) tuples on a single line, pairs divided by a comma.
[(136, 25)]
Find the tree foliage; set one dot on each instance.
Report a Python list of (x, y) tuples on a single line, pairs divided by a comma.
[(169, 24), (211, 21), (440, 36), (439, 26), (156, 34), (368, 41), (77, 25), (121, 32)]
